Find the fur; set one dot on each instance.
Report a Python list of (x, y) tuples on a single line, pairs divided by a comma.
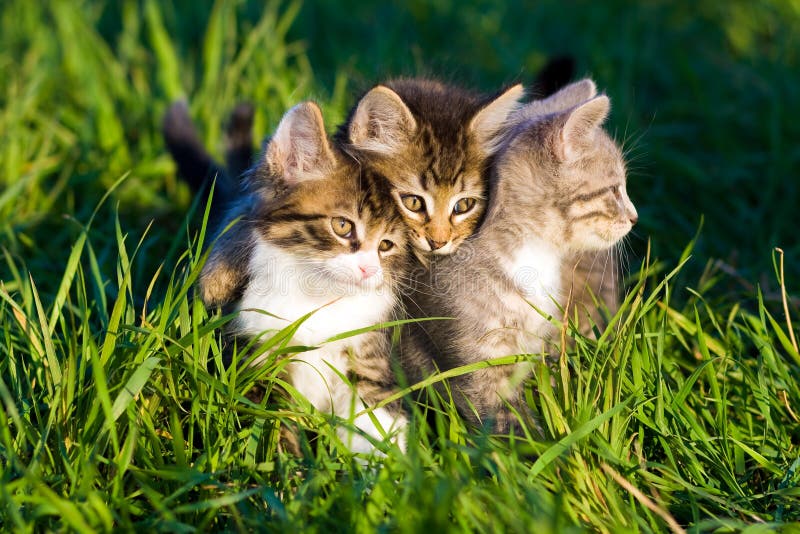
[(282, 255), (558, 189), (197, 167), (430, 141)]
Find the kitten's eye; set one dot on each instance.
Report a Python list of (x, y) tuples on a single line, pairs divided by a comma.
[(385, 245), (342, 227), (615, 189), (413, 203), (464, 205)]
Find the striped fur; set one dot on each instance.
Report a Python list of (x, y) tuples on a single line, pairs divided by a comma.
[(430, 142), (557, 191), (282, 255)]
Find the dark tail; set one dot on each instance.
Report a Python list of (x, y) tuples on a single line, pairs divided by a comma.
[(239, 140), (195, 164), (557, 73)]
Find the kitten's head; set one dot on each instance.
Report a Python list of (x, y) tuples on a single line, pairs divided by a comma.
[(313, 206), (562, 174), (430, 142)]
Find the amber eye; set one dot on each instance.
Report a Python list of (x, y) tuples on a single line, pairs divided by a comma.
[(615, 190), (385, 245), (464, 205), (342, 227), (413, 203)]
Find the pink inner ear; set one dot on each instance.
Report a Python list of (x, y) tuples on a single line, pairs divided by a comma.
[(299, 149), (291, 163)]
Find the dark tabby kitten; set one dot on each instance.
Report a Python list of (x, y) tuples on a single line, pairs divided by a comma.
[(311, 239), (427, 144), (558, 188)]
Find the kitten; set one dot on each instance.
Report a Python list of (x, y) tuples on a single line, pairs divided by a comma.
[(446, 139), (558, 188), (427, 144), (588, 278), (310, 237)]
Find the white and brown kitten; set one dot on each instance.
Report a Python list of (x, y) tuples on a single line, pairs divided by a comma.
[(558, 189), (311, 239), (427, 144)]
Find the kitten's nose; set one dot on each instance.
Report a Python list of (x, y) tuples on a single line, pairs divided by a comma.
[(435, 244), (367, 270), (633, 218)]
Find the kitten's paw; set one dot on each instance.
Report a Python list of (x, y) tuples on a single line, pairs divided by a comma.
[(220, 285)]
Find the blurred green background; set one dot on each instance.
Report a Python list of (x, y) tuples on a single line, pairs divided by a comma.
[(705, 99)]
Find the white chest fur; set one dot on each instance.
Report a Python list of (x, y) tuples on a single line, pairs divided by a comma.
[(536, 271), (289, 288)]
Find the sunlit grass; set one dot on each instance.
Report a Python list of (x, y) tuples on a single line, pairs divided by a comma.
[(117, 411)]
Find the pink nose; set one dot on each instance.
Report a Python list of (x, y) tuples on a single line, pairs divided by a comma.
[(367, 270)]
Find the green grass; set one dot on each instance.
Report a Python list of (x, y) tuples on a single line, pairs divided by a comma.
[(118, 414)]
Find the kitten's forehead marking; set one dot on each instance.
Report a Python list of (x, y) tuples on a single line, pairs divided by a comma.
[(439, 161), (417, 187), (424, 178)]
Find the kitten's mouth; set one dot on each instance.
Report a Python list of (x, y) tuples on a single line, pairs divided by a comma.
[(615, 233), (343, 282), (624, 229), (433, 247), (372, 282)]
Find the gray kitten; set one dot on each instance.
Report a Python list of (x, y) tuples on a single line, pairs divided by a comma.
[(558, 189), (588, 277)]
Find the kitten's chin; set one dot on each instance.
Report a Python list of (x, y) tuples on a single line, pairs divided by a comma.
[(445, 250), (596, 242), (591, 240), (605, 241)]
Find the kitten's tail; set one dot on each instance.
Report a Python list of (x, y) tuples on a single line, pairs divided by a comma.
[(555, 75), (196, 166), (239, 140)]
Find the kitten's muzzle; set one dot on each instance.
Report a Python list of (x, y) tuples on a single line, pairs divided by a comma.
[(366, 271)]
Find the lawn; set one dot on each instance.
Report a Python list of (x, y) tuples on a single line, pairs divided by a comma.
[(117, 413)]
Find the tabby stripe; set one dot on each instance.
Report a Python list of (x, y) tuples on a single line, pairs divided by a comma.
[(423, 179), (592, 215), (295, 217), (295, 238), (373, 202), (589, 196), (383, 386), (323, 239)]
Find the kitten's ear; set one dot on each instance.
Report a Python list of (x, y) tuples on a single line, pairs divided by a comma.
[(489, 122), (580, 125), (382, 122), (569, 96), (299, 149)]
